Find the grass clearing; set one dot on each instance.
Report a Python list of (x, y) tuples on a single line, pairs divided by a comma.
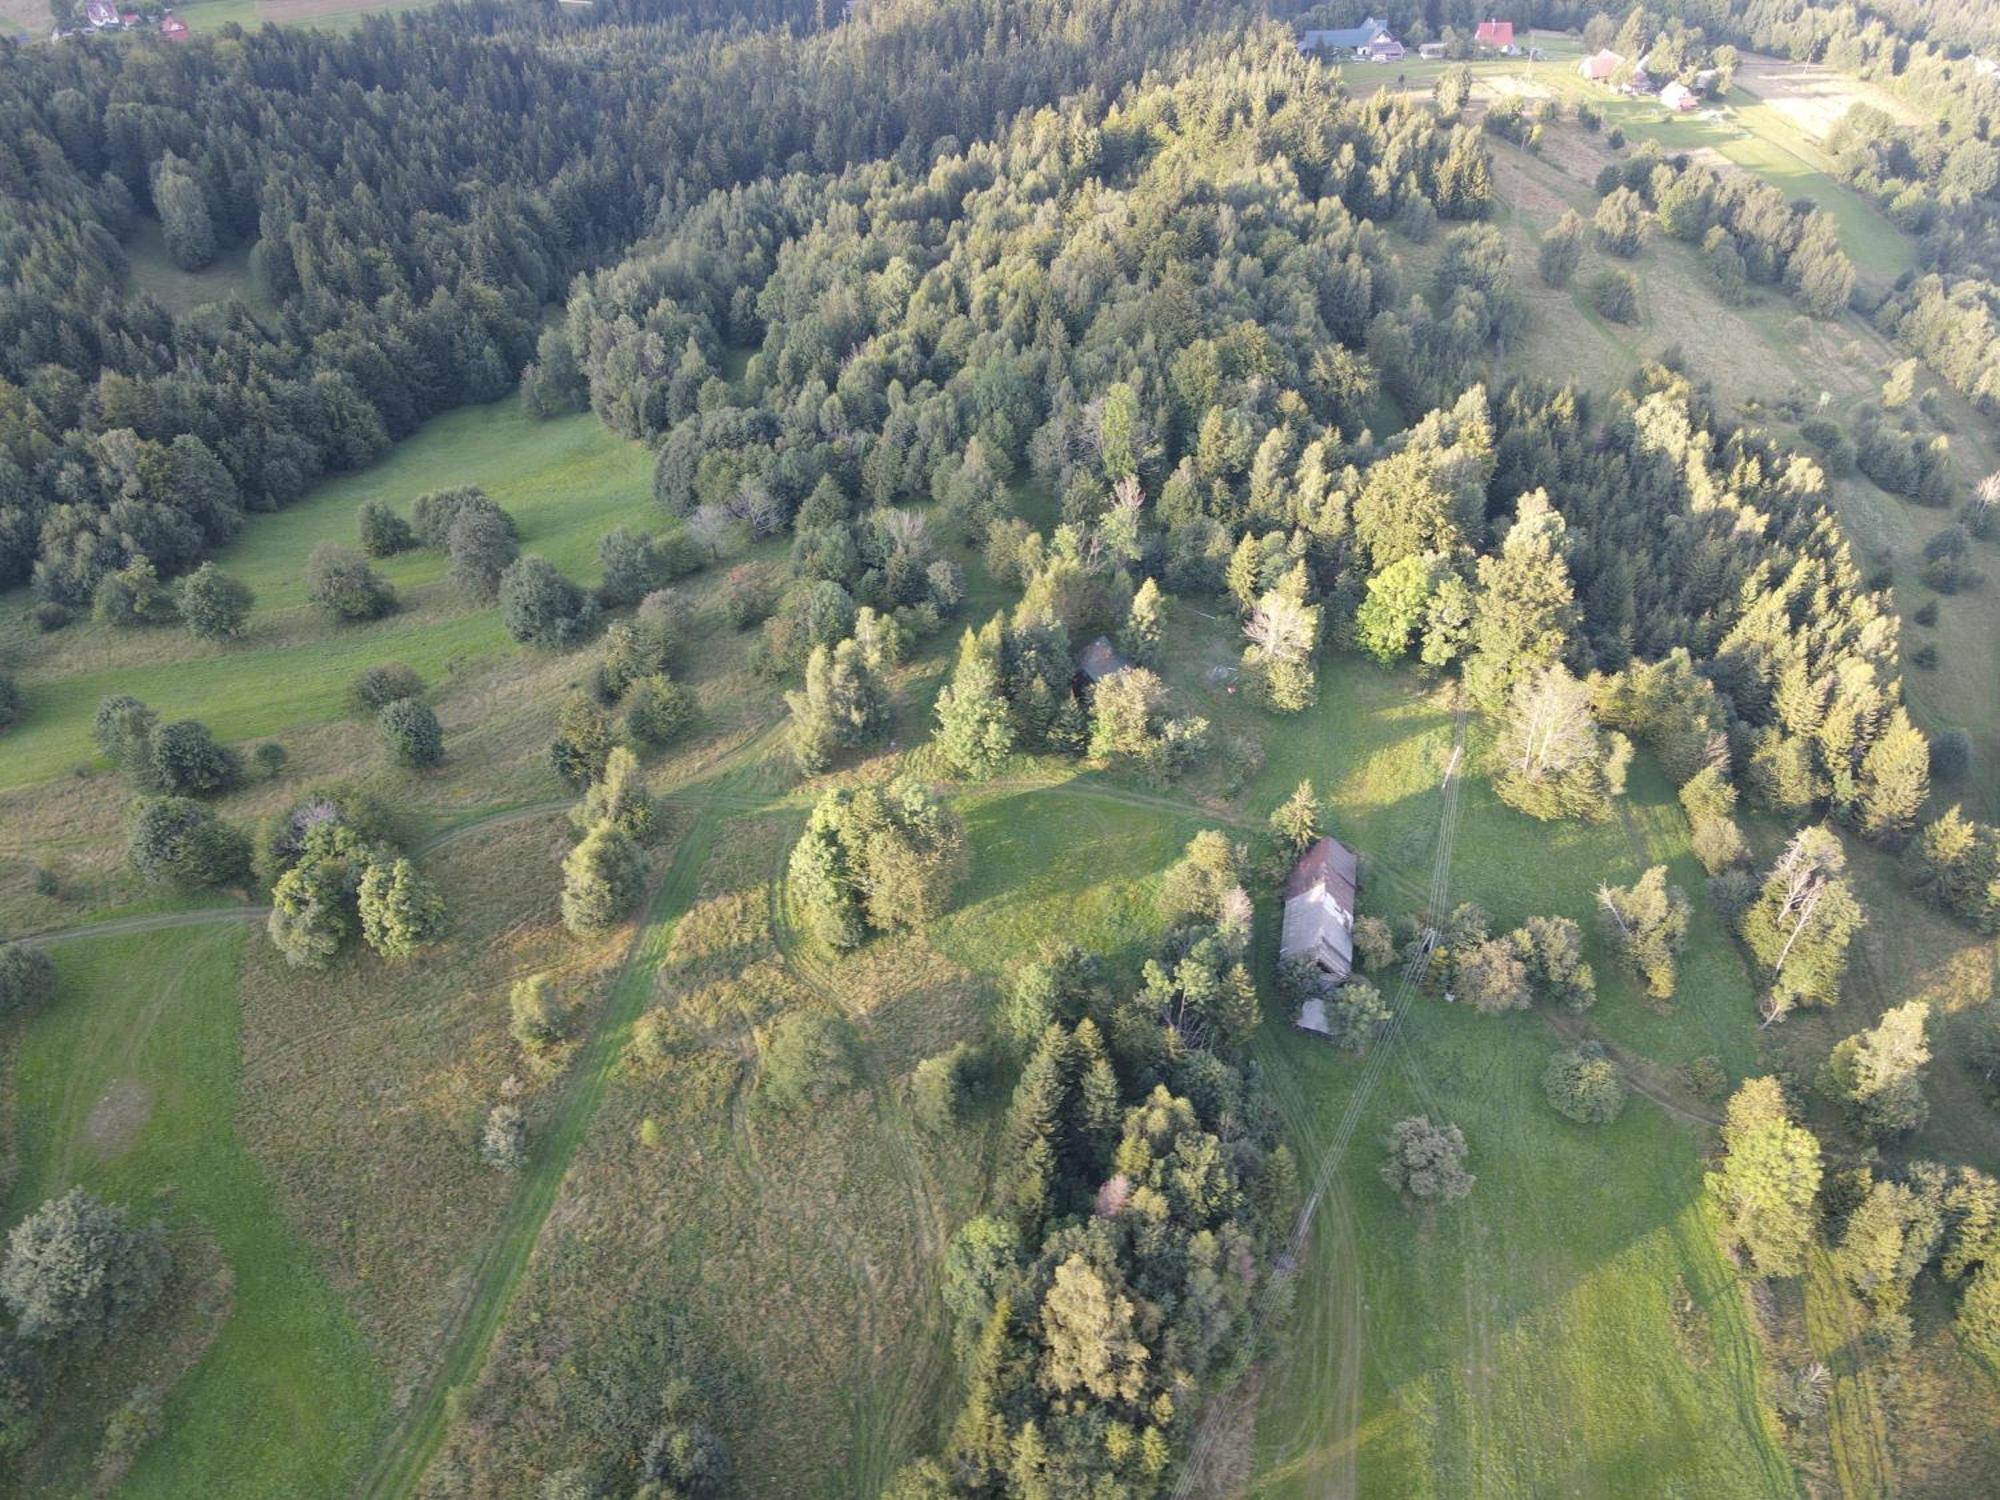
[(131, 1089), (566, 481)]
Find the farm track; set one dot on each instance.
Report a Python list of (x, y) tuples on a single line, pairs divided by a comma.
[(1340, 1287)]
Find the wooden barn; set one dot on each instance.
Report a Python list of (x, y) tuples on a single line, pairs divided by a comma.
[(1319, 918)]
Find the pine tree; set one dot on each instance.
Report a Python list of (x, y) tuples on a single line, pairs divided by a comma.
[(1877, 1074), (1140, 639), (619, 796), (1895, 779), (1297, 819), (975, 731), (1526, 612), (1768, 1181)]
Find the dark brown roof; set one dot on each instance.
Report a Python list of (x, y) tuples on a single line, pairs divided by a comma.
[(1329, 863), (1099, 660)]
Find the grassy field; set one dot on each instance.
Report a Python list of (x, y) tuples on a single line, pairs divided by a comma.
[(131, 1089), (566, 482)]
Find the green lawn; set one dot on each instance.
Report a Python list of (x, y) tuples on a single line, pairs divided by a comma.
[(567, 482), (1525, 1342), (284, 1401)]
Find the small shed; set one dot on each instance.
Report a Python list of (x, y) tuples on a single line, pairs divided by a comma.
[(1432, 51), (1319, 909), (1679, 97), (1100, 659)]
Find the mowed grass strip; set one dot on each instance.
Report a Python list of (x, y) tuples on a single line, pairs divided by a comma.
[(566, 482), (128, 1086)]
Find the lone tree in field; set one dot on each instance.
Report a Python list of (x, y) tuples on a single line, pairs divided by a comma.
[(1561, 249), (77, 1272), (177, 839), (343, 586), (1877, 1075), (1283, 632), (1647, 923), (1799, 926), (400, 909), (1768, 1180), (602, 879), (214, 606), (1584, 1084), (184, 760), (411, 733), (1426, 1162), (481, 546), (27, 980)]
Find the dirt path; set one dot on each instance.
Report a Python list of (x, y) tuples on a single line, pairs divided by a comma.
[(159, 921)]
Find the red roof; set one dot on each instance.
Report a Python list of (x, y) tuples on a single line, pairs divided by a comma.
[(173, 26), (1495, 33), (1328, 863)]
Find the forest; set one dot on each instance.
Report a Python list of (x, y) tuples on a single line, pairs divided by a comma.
[(821, 855)]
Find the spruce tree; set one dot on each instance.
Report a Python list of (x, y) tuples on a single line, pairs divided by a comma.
[(602, 879), (1876, 1075), (1526, 611), (400, 909), (975, 731)]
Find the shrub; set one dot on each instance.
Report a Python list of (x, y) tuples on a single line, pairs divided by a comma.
[(1705, 1077), (123, 730), (602, 878), (1951, 755), (583, 742), (1355, 1015), (1615, 295), (184, 760), (1925, 658), (1374, 944), (383, 532), (343, 586), (805, 1059), (1926, 613), (412, 733), (503, 1141), (481, 547), (619, 797), (941, 1086), (658, 710), (132, 596), (375, 688), (747, 595), (270, 758), (49, 616), (1584, 1085), (77, 1272), (27, 980), (174, 838), (433, 513), (11, 705), (1426, 1162), (536, 1019), (540, 607)]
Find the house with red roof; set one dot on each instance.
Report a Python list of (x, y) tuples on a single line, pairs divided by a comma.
[(1599, 66), (1499, 35)]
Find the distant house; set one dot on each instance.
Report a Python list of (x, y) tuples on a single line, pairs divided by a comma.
[(101, 14), (174, 29), (1678, 96), (128, 18), (1499, 35), (1100, 659), (1360, 40), (1706, 80), (1599, 66), (1383, 52), (1432, 51), (1319, 911)]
